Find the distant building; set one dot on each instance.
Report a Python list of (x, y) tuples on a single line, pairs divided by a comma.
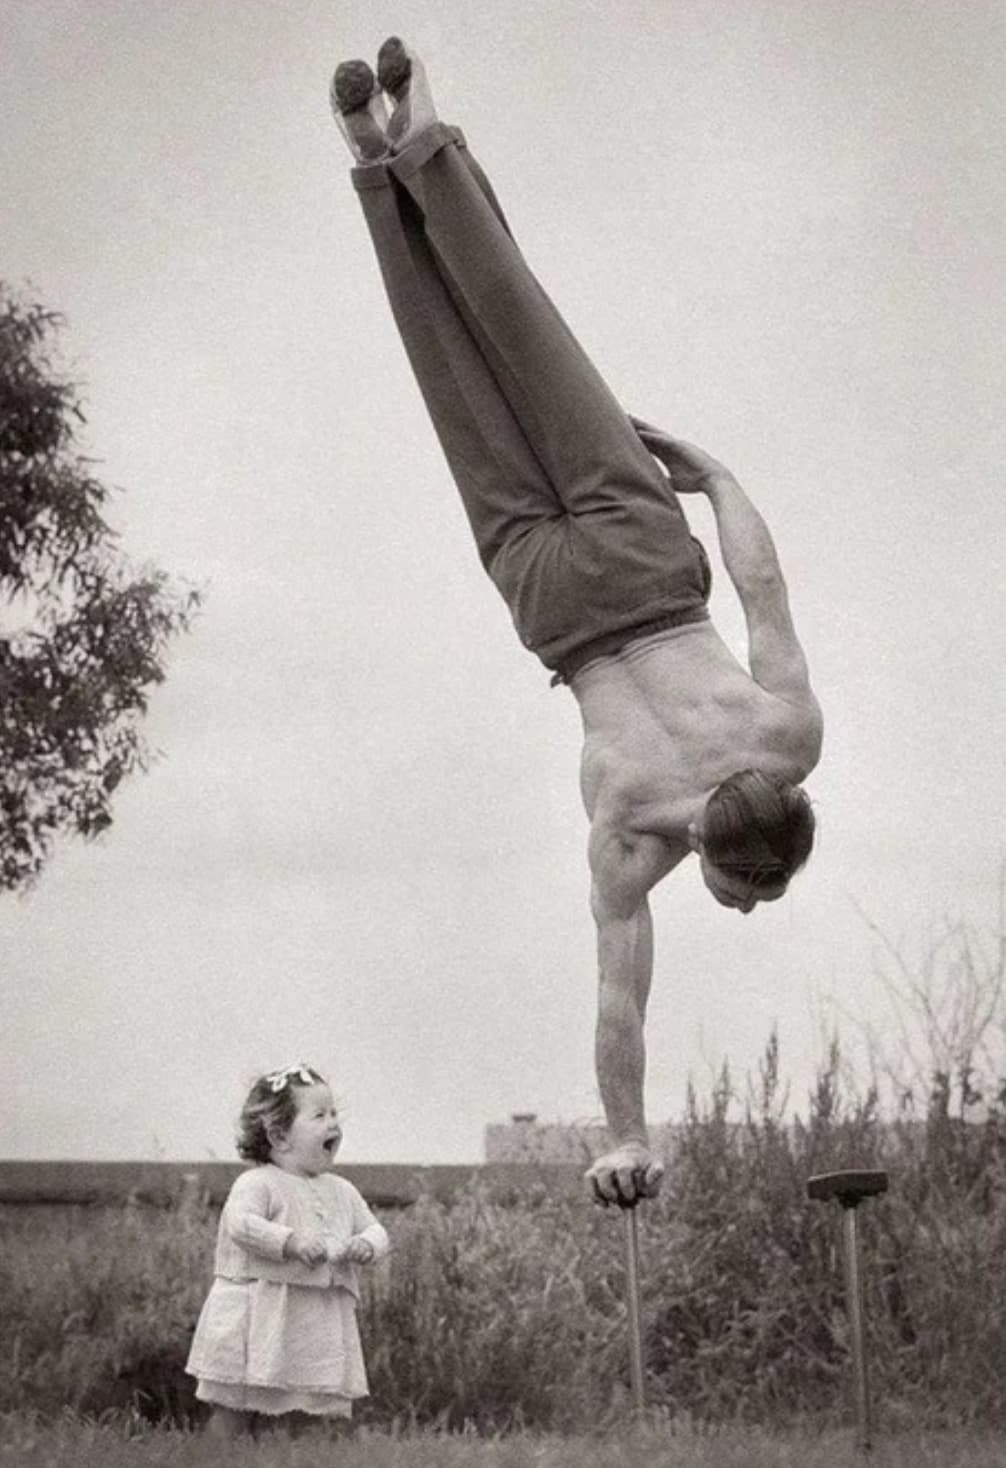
[(526, 1139)]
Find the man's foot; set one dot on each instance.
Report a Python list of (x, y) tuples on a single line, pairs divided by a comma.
[(359, 110), (403, 76)]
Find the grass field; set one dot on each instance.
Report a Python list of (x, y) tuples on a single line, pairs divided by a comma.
[(72, 1443), (499, 1320)]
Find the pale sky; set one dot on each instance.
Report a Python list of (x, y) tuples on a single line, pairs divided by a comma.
[(778, 230)]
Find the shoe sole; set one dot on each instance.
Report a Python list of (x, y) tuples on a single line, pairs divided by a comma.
[(394, 68), (352, 86)]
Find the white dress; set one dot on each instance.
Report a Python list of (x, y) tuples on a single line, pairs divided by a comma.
[(267, 1345)]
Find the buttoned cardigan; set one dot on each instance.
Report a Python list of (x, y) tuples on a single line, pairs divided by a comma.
[(267, 1204)]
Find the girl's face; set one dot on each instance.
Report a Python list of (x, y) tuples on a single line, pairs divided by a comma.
[(313, 1137)]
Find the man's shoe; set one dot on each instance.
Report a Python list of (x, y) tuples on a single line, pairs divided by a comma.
[(360, 111), (403, 76)]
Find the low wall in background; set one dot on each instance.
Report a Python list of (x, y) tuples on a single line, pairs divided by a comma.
[(384, 1185)]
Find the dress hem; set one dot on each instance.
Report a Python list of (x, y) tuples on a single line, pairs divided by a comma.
[(275, 1386), (273, 1401)]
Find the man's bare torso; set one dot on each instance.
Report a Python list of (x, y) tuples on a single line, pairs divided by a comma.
[(665, 721)]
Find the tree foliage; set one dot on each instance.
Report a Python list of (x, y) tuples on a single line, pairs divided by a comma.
[(82, 636)]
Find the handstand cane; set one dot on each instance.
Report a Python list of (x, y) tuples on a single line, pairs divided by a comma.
[(850, 1188), (635, 1324)]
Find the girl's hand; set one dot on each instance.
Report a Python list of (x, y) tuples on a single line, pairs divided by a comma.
[(357, 1251), (308, 1248)]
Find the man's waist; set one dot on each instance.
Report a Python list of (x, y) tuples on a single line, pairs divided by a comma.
[(609, 644)]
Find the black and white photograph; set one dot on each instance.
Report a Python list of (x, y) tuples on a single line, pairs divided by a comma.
[(502, 811)]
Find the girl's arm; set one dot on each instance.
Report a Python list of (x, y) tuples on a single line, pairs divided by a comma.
[(369, 1240), (246, 1218), (366, 1226), (376, 1236)]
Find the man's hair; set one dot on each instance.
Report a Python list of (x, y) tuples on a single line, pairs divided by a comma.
[(758, 828)]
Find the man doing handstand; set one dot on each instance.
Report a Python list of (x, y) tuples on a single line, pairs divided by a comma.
[(684, 749)]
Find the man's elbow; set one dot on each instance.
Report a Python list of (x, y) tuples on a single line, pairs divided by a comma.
[(762, 586), (814, 735), (616, 898), (607, 903)]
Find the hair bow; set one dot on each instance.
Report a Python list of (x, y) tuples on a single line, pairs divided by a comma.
[(277, 1079)]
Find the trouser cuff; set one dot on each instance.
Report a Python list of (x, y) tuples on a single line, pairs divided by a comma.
[(412, 157)]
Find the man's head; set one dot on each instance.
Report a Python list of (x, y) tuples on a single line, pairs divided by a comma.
[(754, 832)]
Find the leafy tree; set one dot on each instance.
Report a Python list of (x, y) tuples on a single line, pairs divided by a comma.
[(82, 636)]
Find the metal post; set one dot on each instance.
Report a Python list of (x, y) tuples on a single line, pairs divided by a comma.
[(635, 1324), (850, 1188), (854, 1297)]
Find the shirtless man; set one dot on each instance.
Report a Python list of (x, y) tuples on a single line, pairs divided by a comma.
[(582, 533)]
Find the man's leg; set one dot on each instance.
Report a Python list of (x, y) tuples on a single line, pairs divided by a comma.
[(572, 517), (504, 488), (576, 427)]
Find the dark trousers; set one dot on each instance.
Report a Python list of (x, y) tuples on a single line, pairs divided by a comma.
[(575, 523)]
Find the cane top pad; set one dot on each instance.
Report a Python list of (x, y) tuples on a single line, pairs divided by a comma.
[(850, 1188)]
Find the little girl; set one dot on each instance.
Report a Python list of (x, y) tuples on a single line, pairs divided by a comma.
[(278, 1331)]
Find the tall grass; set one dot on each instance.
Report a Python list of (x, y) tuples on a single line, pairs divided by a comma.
[(502, 1312)]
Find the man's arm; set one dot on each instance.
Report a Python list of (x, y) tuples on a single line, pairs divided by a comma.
[(775, 656), (625, 971), (622, 875)]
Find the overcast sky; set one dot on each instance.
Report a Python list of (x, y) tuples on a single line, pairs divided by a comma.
[(778, 230)]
